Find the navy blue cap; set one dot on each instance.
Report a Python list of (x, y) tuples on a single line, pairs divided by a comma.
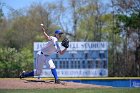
[(58, 32)]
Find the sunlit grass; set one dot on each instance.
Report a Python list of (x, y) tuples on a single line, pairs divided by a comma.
[(87, 90)]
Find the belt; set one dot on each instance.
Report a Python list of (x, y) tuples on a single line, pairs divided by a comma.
[(43, 54)]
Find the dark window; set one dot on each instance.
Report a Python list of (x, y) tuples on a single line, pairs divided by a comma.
[(86, 55), (104, 64)]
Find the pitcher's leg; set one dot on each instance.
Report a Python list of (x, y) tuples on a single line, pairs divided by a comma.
[(54, 73), (39, 64), (53, 70), (40, 59), (26, 74)]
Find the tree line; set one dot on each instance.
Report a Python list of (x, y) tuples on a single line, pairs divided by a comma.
[(116, 22)]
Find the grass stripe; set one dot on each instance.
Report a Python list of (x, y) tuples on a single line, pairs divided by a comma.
[(92, 90)]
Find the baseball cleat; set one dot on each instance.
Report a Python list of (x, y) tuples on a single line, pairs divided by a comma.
[(57, 81), (22, 75)]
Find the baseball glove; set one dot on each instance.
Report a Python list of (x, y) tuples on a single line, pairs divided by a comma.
[(65, 43)]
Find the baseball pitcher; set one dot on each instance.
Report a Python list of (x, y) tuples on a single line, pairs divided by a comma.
[(43, 56)]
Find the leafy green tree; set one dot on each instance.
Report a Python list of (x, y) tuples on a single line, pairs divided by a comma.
[(127, 20), (27, 59), (1, 15), (13, 62), (9, 62)]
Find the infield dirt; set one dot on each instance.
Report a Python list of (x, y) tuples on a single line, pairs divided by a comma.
[(15, 83)]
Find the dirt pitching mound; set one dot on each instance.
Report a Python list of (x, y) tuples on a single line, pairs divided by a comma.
[(9, 83)]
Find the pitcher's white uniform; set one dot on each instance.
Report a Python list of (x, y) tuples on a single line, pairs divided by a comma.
[(43, 56)]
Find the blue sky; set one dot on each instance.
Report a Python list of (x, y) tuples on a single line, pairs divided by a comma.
[(22, 3), (18, 4)]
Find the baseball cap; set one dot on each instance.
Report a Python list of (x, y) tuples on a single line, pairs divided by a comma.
[(58, 32)]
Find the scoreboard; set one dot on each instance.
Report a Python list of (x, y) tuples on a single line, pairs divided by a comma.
[(82, 59)]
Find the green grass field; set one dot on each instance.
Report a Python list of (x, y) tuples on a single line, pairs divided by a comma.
[(92, 90)]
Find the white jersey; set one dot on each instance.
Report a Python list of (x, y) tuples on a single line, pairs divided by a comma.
[(51, 47)]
